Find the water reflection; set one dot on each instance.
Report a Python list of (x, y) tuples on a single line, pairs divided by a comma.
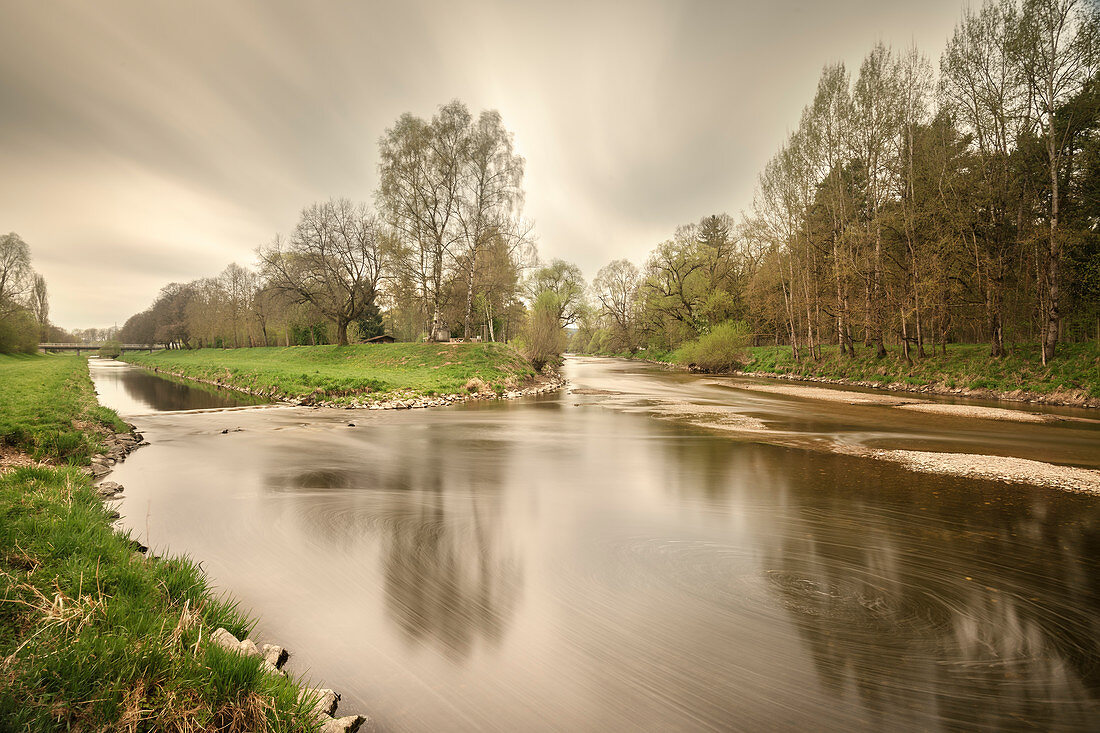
[(450, 580), (946, 599), (555, 564), (130, 391)]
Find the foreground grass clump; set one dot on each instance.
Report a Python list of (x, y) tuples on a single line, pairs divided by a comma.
[(95, 637), (1075, 369), (48, 408), (348, 373)]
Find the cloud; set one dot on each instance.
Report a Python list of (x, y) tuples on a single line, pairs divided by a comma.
[(148, 142)]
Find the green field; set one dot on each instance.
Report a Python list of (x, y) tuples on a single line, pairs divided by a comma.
[(1074, 371), (48, 408), (346, 374), (94, 636)]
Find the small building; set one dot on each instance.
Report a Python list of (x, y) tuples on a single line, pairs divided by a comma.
[(383, 339)]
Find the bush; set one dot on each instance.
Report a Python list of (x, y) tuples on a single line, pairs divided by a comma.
[(724, 349), (18, 333), (544, 339)]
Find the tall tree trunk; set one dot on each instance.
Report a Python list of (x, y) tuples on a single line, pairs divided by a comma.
[(437, 295), (878, 312), (787, 297), (843, 337), (469, 295), (905, 335), (489, 319), (1054, 255)]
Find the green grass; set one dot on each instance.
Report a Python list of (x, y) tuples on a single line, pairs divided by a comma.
[(48, 404), (345, 374), (1076, 368), (92, 635)]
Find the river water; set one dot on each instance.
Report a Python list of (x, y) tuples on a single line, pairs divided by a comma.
[(592, 561)]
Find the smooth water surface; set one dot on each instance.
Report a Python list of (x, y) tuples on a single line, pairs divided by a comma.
[(134, 391), (574, 562)]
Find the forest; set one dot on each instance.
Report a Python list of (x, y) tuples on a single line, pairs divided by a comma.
[(907, 208)]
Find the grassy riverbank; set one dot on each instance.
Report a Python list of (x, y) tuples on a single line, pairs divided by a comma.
[(94, 636), (48, 408), (345, 374), (1073, 377)]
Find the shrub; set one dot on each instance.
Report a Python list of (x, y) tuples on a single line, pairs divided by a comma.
[(724, 349), (18, 333), (544, 339)]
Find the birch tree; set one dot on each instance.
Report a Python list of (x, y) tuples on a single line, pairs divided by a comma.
[(333, 261)]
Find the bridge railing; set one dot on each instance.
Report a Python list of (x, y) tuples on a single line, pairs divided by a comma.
[(56, 346)]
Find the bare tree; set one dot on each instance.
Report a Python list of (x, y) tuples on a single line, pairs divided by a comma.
[(616, 289), (826, 130), (40, 304), (333, 261), (490, 195), (420, 180), (16, 276), (1058, 52), (982, 86), (878, 109)]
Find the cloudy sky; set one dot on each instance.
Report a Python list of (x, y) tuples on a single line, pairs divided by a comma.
[(145, 142)]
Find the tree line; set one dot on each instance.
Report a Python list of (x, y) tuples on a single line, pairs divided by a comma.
[(441, 255), (907, 207)]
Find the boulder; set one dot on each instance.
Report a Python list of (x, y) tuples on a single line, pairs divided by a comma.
[(275, 655), (348, 724), (108, 489), (325, 700), (248, 648), (272, 669), (225, 640)]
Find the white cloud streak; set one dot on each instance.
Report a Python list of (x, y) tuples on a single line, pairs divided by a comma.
[(143, 142)]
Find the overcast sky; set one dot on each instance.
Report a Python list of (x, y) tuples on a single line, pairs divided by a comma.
[(146, 142)]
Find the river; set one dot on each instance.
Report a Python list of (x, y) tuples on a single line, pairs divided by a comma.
[(594, 560)]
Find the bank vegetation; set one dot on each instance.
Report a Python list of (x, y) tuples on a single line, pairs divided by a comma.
[(94, 635), (353, 374)]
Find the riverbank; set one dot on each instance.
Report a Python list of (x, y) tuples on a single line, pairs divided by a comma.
[(93, 634), (1071, 379), (380, 376)]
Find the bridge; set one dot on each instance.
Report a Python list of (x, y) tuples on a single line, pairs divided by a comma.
[(95, 347)]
